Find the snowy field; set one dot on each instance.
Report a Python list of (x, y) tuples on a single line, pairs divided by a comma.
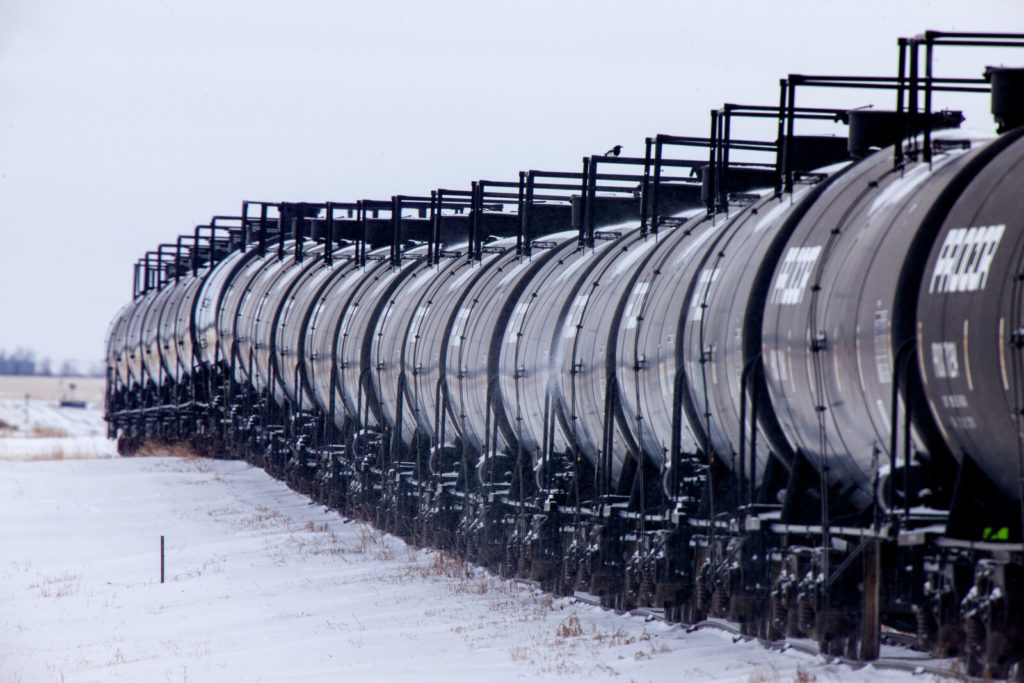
[(262, 585)]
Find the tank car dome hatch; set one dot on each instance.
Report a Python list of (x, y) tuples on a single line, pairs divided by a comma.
[(1007, 96), (809, 152), (736, 180), (879, 128)]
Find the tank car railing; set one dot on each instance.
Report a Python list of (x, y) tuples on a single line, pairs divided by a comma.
[(331, 236), (266, 226), (215, 249), (722, 142), (931, 83), (639, 186), (150, 271)]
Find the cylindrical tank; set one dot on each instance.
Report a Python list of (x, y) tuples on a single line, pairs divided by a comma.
[(135, 370), (411, 339), (184, 332), (294, 382), (273, 294), (426, 341), (970, 320), (321, 336), (521, 339), (356, 335), (828, 346), (166, 327), (116, 353), (646, 339), (238, 309), (210, 303), (584, 354)]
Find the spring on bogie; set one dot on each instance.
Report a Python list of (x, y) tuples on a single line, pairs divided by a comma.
[(583, 576), (805, 614), (703, 594), (647, 586), (926, 628), (974, 630), (779, 612), (721, 601)]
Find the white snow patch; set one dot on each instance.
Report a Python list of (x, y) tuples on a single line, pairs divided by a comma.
[(263, 585), (41, 430)]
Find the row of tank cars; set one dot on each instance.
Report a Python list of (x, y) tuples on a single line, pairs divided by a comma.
[(786, 393)]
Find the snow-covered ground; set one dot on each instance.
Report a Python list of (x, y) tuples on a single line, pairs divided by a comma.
[(42, 430), (262, 585)]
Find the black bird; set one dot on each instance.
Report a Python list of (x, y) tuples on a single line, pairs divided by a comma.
[(614, 151)]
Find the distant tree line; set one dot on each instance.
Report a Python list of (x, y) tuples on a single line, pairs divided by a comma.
[(23, 362)]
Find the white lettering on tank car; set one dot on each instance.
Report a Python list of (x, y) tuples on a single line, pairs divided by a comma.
[(796, 270), (459, 327), (965, 259), (777, 365), (514, 322), (954, 401), (575, 317), (636, 302), (965, 422), (417, 318), (945, 364), (704, 280), (881, 334)]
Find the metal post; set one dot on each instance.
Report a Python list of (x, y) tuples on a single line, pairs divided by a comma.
[(298, 230), (780, 144), (396, 222), (161, 559), (901, 79), (282, 214), (928, 99), (656, 184), (527, 216), (263, 231), (871, 623), (245, 226), (473, 224), (329, 241), (711, 177), (912, 98), (520, 201), (790, 115), (581, 214), (644, 189), (591, 200), (431, 241)]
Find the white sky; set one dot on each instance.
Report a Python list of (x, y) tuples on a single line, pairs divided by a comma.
[(124, 124)]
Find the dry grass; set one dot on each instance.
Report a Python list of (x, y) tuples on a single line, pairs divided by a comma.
[(57, 586), (47, 432), (519, 653), (156, 449), (57, 453), (570, 628), (764, 676), (803, 675)]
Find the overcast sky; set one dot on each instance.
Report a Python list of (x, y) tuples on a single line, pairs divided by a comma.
[(124, 124)]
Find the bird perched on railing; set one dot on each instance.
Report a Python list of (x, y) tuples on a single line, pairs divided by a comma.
[(614, 151)]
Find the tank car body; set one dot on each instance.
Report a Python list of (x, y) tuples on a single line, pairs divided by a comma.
[(968, 330)]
